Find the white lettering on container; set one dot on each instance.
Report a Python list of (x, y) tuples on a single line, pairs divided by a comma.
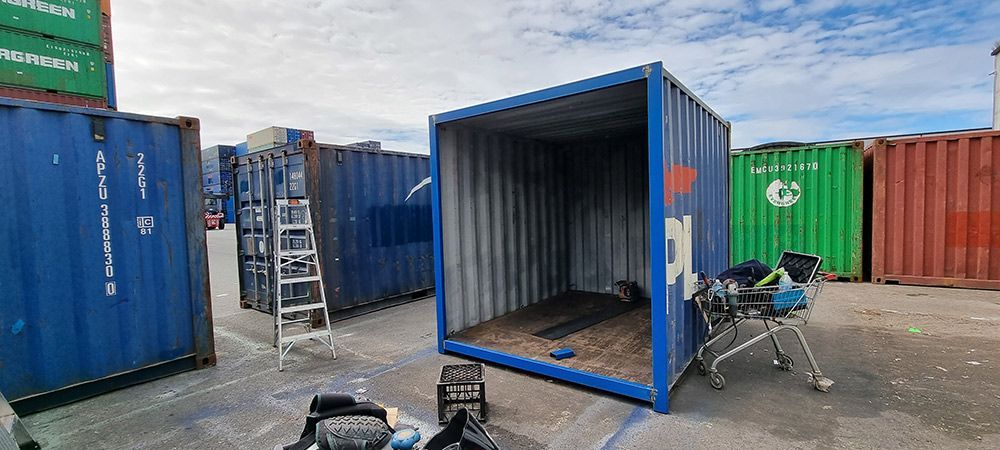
[(141, 177), (681, 268), (39, 60), (45, 7), (110, 287), (790, 167)]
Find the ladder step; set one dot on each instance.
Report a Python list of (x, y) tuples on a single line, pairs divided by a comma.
[(309, 279), (304, 336), (293, 253), (305, 307), (294, 227), (294, 321), (291, 202)]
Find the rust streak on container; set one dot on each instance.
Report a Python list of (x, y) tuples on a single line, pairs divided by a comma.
[(936, 210)]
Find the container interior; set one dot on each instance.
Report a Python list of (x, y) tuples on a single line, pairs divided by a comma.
[(544, 208)]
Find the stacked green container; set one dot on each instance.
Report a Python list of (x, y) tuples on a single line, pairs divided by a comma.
[(53, 45), (806, 199)]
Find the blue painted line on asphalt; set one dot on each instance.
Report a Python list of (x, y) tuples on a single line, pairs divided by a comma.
[(342, 380), (635, 418), (400, 363)]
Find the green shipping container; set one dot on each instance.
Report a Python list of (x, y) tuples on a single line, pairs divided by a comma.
[(805, 199), (40, 63), (74, 20)]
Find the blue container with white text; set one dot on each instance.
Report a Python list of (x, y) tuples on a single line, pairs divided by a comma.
[(107, 285)]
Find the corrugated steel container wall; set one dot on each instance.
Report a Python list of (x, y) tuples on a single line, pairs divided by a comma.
[(611, 206), (490, 172), (107, 285), (936, 211), (695, 188), (52, 97), (497, 229), (40, 63), (375, 244), (806, 199), (73, 20), (241, 149), (558, 190)]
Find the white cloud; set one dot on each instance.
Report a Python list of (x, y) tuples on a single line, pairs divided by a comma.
[(775, 5), (377, 69)]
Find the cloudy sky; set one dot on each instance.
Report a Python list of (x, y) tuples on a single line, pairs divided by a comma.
[(355, 70)]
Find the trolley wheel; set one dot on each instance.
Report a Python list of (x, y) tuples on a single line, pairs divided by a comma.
[(701, 368), (785, 362), (717, 380)]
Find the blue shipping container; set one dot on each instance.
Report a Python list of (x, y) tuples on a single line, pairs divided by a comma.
[(217, 178), (107, 285), (543, 202), (372, 219), (216, 165), (241, 149), (220, 152)]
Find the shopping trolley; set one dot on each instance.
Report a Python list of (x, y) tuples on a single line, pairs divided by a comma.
[(780, 308)]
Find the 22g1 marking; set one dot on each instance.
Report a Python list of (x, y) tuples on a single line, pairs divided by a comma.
[(141, 177)]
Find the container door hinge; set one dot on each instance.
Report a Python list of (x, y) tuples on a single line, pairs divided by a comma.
[(647, 70), (340, 157), (97, 128)]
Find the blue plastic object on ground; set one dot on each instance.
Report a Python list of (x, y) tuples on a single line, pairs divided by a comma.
[(404, 439), (563, 353)]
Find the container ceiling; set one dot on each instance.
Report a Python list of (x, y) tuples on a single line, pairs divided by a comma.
[(605, 112)]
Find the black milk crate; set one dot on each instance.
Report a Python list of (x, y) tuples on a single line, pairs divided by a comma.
[(462, 386)]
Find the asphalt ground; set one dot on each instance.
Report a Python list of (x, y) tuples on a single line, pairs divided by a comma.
[(895, 388)]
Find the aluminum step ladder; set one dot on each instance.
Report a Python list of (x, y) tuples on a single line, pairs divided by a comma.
[(296, 263)]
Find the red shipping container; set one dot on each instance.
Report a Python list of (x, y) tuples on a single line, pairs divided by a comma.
[(52, 97), (936, 210)]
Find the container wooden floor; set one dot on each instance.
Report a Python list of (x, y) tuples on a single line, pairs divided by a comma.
[(620, 347)]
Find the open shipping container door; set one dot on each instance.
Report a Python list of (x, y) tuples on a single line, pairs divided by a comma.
[(544, 201)]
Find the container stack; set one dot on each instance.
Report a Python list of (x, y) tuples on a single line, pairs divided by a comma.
[(57, 51), (367, 145), (217, 170), (217, 176), (273, 137)]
